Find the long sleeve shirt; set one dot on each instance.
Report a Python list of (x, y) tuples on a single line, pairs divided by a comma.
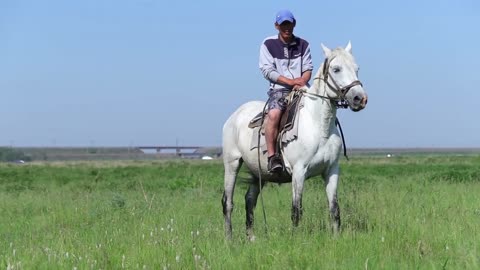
[(280, 59)]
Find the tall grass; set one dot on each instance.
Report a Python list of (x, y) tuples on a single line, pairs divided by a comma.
[(397, 213)]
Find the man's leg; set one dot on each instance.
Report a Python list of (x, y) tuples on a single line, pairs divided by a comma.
[(271, 132)]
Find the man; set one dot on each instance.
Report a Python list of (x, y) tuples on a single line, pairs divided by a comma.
[(285, 61)]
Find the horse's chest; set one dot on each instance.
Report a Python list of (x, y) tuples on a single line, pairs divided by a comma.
[(325, 157)]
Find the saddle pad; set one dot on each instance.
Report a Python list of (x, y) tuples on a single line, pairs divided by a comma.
[(288, 133)]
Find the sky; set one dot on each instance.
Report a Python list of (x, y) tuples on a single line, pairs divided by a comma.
[(149, 72)]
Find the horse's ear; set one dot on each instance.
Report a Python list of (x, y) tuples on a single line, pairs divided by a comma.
[(326, 50), (349, 47)]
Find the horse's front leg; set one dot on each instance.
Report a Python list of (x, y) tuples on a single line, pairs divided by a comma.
[(331, 182), (298, 179)]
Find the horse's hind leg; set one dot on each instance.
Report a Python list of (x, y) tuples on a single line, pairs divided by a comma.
[(250, 203), (232, 166), (331, 181)]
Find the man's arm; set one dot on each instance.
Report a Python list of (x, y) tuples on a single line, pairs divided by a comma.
[(302, 81), (286, 81), (266, 65)]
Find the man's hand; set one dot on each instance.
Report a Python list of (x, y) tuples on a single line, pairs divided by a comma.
[(298, 82)]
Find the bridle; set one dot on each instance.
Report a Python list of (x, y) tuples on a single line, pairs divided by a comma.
[(341, 102)]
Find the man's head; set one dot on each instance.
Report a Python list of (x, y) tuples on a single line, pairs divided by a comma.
[(284, 23)]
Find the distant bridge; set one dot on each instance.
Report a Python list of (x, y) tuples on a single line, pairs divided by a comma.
[(181, 151)]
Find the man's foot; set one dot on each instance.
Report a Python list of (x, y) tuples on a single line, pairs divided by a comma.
[(275, 164)]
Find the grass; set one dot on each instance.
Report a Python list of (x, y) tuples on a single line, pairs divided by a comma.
[(398, 213)]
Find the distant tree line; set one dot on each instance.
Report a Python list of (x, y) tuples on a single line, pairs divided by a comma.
[(8, 154)]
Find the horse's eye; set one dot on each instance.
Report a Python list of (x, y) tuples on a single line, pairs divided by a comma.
[(336, 69)]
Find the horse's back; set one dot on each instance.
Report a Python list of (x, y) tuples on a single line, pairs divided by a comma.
[(242, 116), (236, 133)]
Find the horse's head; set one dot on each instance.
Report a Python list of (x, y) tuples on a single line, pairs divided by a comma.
[(340, 75)]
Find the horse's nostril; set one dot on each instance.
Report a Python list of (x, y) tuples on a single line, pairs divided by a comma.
[(357, 99)]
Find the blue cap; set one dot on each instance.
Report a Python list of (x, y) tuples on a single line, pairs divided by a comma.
[(284, 15)]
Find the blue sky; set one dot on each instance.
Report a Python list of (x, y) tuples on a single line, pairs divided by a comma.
[(147, 72)]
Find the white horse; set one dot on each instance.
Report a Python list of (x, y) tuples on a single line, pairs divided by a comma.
[(315, 151)]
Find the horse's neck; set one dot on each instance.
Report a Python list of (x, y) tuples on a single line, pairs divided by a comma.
[(321, 111)]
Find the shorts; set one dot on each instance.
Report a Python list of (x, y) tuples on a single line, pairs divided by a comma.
[(277, 99)]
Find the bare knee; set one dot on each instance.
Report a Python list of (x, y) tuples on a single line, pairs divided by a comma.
[(274, 116)]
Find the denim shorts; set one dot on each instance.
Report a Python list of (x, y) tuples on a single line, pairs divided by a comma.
[(277, 99)]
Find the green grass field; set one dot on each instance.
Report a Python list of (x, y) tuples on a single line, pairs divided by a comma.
[(419, 212)]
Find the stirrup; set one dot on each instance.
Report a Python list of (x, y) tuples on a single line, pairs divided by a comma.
[(275, 164)]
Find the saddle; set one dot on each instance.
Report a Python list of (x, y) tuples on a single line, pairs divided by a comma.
[(287, 122)]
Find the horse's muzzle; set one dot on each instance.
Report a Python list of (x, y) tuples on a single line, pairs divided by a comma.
[(359, 102)]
